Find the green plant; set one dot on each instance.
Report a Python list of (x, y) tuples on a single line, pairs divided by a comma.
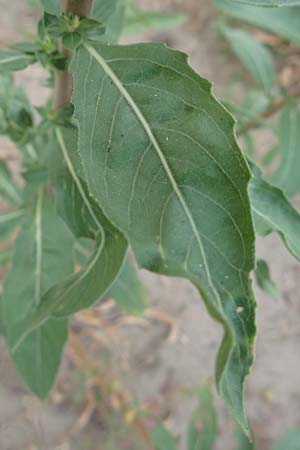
[(142, 155), (203, 431)]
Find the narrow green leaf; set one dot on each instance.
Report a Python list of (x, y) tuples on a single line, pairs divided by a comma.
[(137, 20), (128, 291), (84, 288), (85, 219), (111, 13), (42, 257), (281, 21), (39, 356), (249, 145), (273, 212), (269, 157), (243, 441), (255, 57), (8, 189), (103, 10), (71, 40), (202, 432), (162, 438), (161, 159), (5, 258), (87, 24), (11, 61), (15, 111), (9, 221), (290, 441), (286, 177), (51, 6), (1, 325), (264, 279), (270, 3), (254, 103), (29, 48)]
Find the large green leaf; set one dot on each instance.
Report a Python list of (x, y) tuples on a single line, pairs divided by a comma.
[(290, 441), (286, 176), (273, 212), (256, 58), (160, 156), (264, 279), (11, 60), (202, 431), (42, 257), (281, 21), (85, 219), (271, 3), (8, 189)]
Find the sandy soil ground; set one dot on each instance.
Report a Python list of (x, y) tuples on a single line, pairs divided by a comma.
[(162, 359)]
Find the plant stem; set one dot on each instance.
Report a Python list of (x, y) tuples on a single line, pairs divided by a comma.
[(81, 8), (271, 110), (63, 82), (63, 88)]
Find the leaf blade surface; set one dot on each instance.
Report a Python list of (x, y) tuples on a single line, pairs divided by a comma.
[(11, 61), (281, 21), (254, 56), (128, 291), (286, 176), (85, 218), (273, 212), (8, 189), (202, 432), (157, 137), (42, 256)]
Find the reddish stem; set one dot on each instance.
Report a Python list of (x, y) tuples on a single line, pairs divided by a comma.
[(63, 82)]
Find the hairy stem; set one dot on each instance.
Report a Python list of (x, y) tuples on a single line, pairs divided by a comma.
[(63, 82), (81, 8)]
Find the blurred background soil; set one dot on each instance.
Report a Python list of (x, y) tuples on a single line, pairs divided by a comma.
[(114, 363)]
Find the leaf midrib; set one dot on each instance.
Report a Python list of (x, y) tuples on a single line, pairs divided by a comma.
[(13, 58), (156, 146), (76, 179), (39, 246), (38, 236)]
